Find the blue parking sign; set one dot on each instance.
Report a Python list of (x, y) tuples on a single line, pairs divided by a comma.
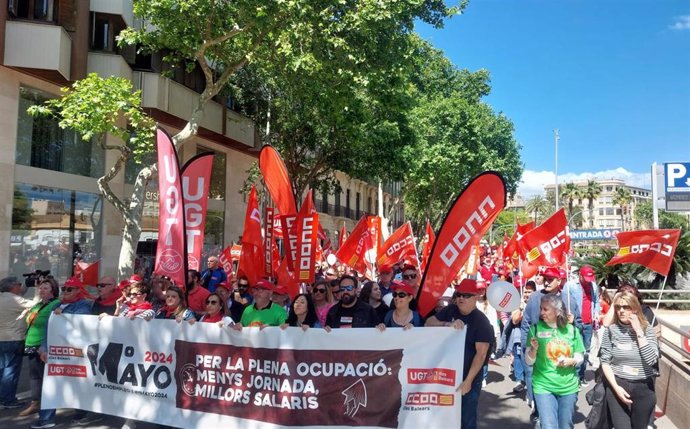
[(677, 181)]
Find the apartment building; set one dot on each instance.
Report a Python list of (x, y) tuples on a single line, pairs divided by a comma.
[(606, 213), (52, 207)]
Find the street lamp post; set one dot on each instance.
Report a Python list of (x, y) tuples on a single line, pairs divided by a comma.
[(573, 215), (556, 138)]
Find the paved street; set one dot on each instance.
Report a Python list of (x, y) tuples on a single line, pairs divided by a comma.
[(498, 407)]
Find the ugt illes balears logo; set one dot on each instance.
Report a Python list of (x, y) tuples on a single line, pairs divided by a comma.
[(108, 362)]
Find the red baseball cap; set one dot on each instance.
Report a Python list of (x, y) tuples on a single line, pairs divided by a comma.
[(263, 284), (74, 282), (467, 286), (587, 273), (481, 283), (554, 273), (402, 287), (383, 269), (280, 290), (135, 278), (409, 267)]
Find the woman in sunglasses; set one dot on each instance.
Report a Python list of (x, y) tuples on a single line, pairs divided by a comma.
[(74, 300), (629, 355), (175, 306), (401, 316), (323, 299), (216, 312), (134, 305), (302, 313)]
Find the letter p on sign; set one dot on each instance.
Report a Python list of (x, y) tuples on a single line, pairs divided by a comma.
[(675, 172)]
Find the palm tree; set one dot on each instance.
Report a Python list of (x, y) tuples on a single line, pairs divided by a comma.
[(591, 192), (570, 192), (622, 198), (538, 206)]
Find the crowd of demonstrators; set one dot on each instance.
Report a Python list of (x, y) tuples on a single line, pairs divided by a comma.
[(492, 316)]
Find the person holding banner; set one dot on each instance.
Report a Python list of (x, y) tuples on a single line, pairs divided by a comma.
[(216, 312), (555, 350), (135, 304), (371, 294), (302, 313), (350, 312), (263, 312), (629, 355), (401, 316), (175, 306), (463, 314), (107, 297), (323, 299)]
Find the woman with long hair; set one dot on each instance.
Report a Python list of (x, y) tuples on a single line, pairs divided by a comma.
[(555, 349), (302, 313), (175, 306), (322, 297), (401, 316), (371, 294), (629, 355)]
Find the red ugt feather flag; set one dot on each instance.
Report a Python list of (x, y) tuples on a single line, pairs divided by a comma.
[(196, 180), (252, 256), (469, 218), (653, 249), (548, 243)]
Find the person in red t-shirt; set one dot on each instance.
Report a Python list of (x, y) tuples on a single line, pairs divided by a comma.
[(196, 293)]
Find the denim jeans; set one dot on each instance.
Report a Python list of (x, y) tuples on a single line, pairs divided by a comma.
[(555, 411), (47, 416), (587, 340), (518, 367), (468, 419), (528, 381), (11, 355)]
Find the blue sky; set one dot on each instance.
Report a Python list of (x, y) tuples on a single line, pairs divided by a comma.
[(612, 76)]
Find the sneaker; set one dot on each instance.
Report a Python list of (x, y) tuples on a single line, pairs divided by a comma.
[(519, 387), (12, 405), (42, 424), (87, 419), (584, 384), (534, 416)]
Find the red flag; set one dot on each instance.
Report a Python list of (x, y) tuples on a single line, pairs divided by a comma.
[(87, 273), (277, 180), (196, 178), (548, 243), (427, 244), (289, 238), (171, 250), (342, 236), (469, 218), (400, 245), (252, 257), (226, 261), (236, 252), (355, 246), (511, 249), (268, 241), (286, 277), (653, 249), (306, 230)]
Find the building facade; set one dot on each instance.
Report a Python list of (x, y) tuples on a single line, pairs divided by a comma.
[(607, 213), (52, 209)]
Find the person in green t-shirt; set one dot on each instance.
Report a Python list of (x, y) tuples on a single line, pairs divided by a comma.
[(555, 350), (263, 312)]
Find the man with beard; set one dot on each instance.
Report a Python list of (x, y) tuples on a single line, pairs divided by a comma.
[(196, 293), (350, 312)]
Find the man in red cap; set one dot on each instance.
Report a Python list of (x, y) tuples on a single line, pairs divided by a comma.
[(411, 276), (263, 312), (462, 313), (584, 291), (553, 281), (385, 277)]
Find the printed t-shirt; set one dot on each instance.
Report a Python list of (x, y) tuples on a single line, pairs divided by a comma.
[(273, 315), (478, 328), (345, 316), (554, 342)]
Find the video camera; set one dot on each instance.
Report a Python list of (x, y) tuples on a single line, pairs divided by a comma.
[(36, 277)]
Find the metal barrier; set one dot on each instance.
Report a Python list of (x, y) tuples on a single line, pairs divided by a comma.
[(684, 362), (654, 294)]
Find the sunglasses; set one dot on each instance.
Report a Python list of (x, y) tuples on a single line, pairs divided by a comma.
[(211, 301), (319, 290), (68, 289), (131, 294), (465, 295), (409, 276), (102, 285), (347, 288), (399, 295), (622, 307)]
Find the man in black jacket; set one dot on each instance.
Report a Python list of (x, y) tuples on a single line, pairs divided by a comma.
[(351, 312)]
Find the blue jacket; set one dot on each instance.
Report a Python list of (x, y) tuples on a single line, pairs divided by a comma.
[(575, 289), (530, 316)]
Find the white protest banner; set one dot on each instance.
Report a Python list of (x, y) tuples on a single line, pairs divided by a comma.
[(207, 376)]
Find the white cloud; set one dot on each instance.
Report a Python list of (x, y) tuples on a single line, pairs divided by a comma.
[(681, 23), (533, 181)]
